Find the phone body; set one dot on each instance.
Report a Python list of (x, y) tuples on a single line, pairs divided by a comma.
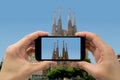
[(60, 48)]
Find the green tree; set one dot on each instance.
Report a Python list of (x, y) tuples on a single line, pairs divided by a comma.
[(89, 77), (87, 59), (57, 73), (70, 73)]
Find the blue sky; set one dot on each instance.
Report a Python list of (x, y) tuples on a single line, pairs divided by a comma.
[(73, 47), (21, 17)]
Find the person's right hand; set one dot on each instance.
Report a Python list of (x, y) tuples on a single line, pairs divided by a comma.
[(107, 66)]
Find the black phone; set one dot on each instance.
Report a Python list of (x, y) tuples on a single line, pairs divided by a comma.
[(60, 48)]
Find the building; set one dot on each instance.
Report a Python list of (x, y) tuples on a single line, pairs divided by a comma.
[(57, 29), (56, 54)]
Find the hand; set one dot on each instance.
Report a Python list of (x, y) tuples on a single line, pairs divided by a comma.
[(16, 65), (107, 66)]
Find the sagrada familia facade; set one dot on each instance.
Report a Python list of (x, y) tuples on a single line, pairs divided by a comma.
[(57, 29), (56, 54)]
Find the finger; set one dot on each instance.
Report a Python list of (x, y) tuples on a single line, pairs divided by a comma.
[(30, 50), (32, 44), (88, 35), (92, 38), (25, 42), (87, 67), (90, 48), (41, 65)]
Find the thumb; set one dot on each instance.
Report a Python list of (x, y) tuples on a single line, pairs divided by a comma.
[(90, 68), (41, 66)]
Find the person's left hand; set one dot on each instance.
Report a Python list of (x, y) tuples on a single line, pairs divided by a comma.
[(16, 65)]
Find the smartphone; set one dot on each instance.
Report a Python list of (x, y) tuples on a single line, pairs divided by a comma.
[(60, 48)]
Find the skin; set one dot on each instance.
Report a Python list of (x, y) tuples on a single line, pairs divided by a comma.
[(16, 65), (107, 66)]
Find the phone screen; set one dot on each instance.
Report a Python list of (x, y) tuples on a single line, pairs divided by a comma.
[(57, 48)]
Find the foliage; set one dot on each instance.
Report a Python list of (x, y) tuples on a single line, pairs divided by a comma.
[(87, 60), (89, 77), (57, 73), (69, 73), (60, 73)]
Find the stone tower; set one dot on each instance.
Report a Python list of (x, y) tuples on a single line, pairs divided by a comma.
[(57, 29), (74, 24), (54, 25), (66, 56), (63, 56), (70, 29), (59, 26)]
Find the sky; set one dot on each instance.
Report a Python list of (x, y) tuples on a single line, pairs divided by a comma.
[(73, 47), (21, 17)]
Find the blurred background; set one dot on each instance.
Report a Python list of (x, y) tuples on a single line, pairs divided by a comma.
[(21, 17)]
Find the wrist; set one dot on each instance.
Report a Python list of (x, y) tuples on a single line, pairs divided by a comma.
[(4, 76)]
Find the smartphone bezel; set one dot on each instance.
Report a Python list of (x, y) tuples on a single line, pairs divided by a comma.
[(38, 48)]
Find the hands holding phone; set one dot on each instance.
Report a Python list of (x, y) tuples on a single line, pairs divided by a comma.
[(107, 65), (17, 67), (47, 48)]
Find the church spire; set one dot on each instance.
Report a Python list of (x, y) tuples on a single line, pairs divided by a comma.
[(69, 24), (57, 44), (63, 51), (54, 25), (66, 48), (59, 13), (54, 46), (54, 21), (66, 52), (53, 55), (69, 16), (63, 43), (59, 25), (74, 24), (74, 19), (57, 50)]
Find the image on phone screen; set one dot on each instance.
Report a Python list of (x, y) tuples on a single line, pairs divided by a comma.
[(60, 48)]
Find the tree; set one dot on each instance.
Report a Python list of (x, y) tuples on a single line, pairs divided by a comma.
[(57, 73), (60, 73)]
